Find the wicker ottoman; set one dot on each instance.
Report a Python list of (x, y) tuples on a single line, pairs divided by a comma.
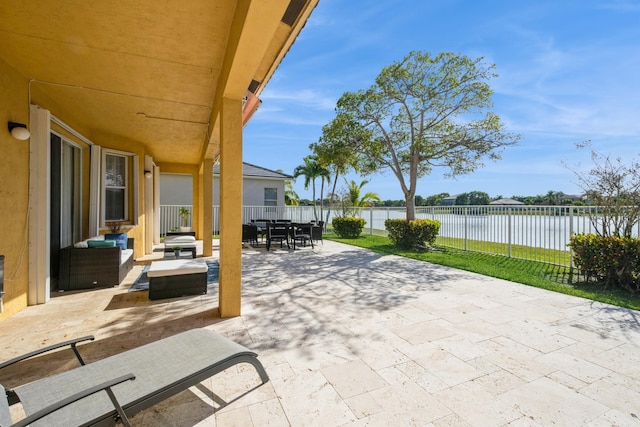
[(176, 278)]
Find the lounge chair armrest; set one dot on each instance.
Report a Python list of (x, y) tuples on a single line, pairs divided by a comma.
[(71, 343), (74, 398)]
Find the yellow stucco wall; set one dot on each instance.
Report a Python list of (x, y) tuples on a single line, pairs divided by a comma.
[(14, 182), (14, 190)]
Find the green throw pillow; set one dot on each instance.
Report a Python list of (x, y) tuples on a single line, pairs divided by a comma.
[(101, 243)]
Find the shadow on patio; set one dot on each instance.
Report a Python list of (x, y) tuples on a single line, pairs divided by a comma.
[(352, 338)]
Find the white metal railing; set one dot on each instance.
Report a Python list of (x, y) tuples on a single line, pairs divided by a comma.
[(170, 219), (537, 233)]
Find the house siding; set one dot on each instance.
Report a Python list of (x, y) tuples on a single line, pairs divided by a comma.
[(253, 190), (175, 189)]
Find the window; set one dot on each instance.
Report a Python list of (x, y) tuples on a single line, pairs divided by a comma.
[(270, 199), (115, 187)]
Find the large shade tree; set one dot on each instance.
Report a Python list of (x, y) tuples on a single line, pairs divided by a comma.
[(423, 112)]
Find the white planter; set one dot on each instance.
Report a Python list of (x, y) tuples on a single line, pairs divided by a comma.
[(185, 229)]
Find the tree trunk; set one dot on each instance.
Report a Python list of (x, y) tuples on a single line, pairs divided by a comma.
[(321, 197), (315, 213), (333, 194), (411, 206)]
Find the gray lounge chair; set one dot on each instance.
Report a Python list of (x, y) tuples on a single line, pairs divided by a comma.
[(112, 389)]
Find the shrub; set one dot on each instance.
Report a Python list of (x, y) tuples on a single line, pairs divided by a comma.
[(409, 234), (610, 260), (348, 227)]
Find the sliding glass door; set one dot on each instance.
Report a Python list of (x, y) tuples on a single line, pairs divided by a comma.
[(66, 198)]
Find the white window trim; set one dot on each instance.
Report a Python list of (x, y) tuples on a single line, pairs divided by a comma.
[(274, 201), (130, 184)]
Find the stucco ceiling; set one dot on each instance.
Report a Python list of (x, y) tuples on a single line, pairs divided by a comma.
[(149, 71)]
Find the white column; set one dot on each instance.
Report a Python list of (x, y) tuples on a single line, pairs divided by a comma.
[(39, 202)]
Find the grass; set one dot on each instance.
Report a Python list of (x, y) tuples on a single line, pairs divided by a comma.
[(551, 256), (538, 274)]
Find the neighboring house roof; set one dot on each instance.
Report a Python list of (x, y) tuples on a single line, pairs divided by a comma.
[(449, 200), (506, 202), (249, 170)]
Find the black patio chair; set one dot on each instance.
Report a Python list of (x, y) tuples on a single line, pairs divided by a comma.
[(262, 227), (278, 232), (250, 233), (301, 233), (316, 233)]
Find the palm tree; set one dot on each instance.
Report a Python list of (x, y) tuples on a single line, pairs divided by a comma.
[(354, 199), (311, 170), (291, 198)]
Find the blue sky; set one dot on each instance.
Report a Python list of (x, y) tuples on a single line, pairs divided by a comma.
[(569, 71)]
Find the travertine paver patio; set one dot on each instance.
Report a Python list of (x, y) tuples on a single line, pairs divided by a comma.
[(352, 338)]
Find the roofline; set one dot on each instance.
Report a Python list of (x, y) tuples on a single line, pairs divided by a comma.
[(284, 175)]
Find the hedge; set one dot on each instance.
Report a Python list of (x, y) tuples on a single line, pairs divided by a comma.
[(347, 227), (611, 261), (410, 234)]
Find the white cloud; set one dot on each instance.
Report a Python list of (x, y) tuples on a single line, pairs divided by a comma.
[(293, 98)]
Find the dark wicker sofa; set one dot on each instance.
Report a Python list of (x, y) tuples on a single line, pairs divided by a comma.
[(87, 268)]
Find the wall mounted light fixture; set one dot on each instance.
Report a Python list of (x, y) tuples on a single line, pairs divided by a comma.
[(19, 131), (148, 174)]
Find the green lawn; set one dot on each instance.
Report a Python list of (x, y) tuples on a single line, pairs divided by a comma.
[(541, 275), (549, 256)]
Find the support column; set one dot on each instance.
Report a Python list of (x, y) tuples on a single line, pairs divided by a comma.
[(39, 203), (230, 278), (196, 202), (206, 206)]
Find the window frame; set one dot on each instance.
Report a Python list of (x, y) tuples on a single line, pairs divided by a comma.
[(127, 184), (270, 203), (77, 197)]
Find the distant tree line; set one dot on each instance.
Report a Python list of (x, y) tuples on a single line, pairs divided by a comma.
[(551, 198)]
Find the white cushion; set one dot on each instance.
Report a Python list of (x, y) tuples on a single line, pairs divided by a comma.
[(175, 267), (85, 244), (179, 239), (125, 255)]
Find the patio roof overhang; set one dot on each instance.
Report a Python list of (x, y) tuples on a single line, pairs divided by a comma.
[(150, 72)]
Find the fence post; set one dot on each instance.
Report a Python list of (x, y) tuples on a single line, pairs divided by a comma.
[(509, 230), (466, 216), (370, 221), (570, 234)]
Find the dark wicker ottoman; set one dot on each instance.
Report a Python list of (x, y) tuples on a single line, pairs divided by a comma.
[(176, 278)]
